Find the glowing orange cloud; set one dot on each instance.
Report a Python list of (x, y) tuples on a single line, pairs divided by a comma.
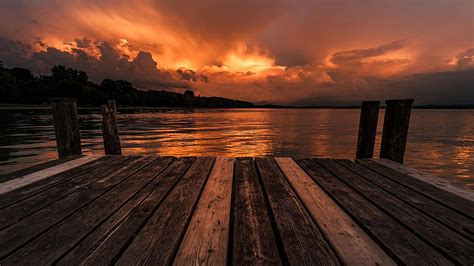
[(254, 50)]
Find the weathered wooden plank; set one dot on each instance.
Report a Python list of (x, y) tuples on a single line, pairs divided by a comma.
[(43, 174), (36, 168), (107, 241), (443, 239), (447, 216), (441, 183), (253, 240), (48, 247), (206, 239), (399, 242), (158, 240), (37, 187), (34, 225), (460, 204), (352, 244), (20, 210), (302, 241)]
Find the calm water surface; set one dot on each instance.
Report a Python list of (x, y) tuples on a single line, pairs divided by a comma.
[(440, 141)]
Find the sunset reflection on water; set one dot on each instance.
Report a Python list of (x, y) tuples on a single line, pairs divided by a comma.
[(440, 141)]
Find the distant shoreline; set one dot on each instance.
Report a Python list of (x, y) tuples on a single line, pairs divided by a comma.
[(6, 106)]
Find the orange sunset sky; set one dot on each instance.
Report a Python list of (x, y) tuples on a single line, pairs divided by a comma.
[(286, 52)]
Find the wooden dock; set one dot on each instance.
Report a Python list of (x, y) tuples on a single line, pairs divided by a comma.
[(129, 210)]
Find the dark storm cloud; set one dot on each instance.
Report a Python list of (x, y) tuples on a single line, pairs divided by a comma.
[(276, 50), (189, 75), (465, 58), (83, 43), (141, 70), (357, 55), (15, 52), (443, 88), (291, 58)]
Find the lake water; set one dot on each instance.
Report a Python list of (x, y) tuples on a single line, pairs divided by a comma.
[(440, 142)]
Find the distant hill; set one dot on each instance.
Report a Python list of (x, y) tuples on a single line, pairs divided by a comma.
[(20, 86)]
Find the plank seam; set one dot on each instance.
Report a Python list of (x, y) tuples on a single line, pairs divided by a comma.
[(52, 185), (82, 186), (193, 210), (230, 239), (447, 256), (423, 193), (308, 211), (405, 201), (34, 177), (276, 233), (353, 217), (75, 211), (36, 168), (118, 208), (158, 205)]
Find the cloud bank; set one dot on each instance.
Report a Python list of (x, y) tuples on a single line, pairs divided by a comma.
[(287, 52)]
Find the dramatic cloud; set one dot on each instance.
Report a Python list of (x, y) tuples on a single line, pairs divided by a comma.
[(465, 59), (291, 52), (359, 55)]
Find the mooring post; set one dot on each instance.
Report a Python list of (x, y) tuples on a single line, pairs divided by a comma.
[(369, 115), (66, 126), (110, 133), (395, 129)]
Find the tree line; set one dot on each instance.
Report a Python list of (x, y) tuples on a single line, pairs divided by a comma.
[(21, 86)]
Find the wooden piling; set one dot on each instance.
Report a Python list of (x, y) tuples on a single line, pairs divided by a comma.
[(395, 129), (369, 115), (110, 133), (66, 127)]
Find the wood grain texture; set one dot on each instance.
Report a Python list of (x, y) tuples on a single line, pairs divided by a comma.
[(66, 127), (395, 129), (443, 239), (369, 115), (352, 244), (42, 185), (302, 241), (47, 249), (206, 239), (253, 241), (110, 134), (158, 240), (36, 168), (400, 243), (447, 216), (107, 241), (43, 174), (34, 225), (442, 183), (20, 210)]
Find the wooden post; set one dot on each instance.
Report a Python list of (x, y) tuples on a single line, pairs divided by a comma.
[(110, 133), (66, 126), (369, 115), (395, 129)]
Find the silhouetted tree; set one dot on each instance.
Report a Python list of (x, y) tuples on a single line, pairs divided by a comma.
[(19, 85)]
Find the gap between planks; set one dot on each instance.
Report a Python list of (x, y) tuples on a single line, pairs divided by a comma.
[(43, 174), (430, 179), (352, 244), (207, 236)]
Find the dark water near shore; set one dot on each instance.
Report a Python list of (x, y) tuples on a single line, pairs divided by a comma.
[(440, 141)]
